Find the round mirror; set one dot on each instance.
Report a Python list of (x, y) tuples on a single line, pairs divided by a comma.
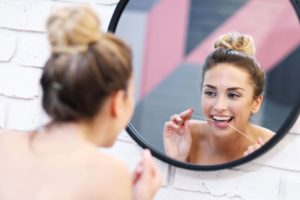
[(170, 42)]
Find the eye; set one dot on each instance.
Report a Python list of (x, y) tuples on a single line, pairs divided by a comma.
[(210, 93), (233, 95)]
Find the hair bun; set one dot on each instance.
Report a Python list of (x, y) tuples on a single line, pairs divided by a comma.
[(72, 29), (236, 41)]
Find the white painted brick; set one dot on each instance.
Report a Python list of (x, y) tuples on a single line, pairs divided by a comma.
[(284, 155), (103, 2), (43, 118), (125, 137), (175, 194), (21, 82), (105, 13), (107, 2), (289, 189), (260, 184), (131, 155), (2, 113), (33, 50), (24, 15), (163, 167), (23, 114), (296, 127), (7, 47)]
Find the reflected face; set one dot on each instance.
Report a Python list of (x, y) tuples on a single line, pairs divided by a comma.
[(227, 98), (129, 100), (124, 106)]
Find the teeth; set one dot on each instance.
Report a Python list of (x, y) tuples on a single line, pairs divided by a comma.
[(219, 118)]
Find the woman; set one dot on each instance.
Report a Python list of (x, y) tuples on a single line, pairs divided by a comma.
[(88, 92), (232, 91)]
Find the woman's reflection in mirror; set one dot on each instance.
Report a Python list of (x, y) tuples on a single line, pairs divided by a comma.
[(88, 91), (232, 91)]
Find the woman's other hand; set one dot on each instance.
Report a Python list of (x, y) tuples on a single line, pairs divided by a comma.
[(254, 147), (147, 178), (177, 135)]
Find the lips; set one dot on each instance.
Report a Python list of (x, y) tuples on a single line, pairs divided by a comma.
[(221, 121)]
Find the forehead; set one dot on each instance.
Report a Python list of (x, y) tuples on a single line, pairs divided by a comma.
[(227, 74)]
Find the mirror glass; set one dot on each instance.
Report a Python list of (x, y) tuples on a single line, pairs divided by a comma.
[(170, 41)]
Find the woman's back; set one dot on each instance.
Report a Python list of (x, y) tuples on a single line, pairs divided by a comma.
[(58, 167), (88, 94)]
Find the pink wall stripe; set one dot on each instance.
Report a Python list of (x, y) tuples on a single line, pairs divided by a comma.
[(273, 24), (165, 41)]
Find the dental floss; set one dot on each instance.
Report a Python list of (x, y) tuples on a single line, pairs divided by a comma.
[(243, 134)]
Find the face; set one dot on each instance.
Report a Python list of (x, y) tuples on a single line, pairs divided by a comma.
[(122, 110), (129, 101), (227, 99)]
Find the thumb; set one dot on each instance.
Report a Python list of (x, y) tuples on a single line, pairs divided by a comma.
[(146, 163), (138, 172), (186, 115)]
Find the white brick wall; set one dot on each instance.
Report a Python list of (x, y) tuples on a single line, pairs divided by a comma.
[(23, 50)]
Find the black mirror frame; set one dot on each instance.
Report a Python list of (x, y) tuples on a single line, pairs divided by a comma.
[(288, 123)]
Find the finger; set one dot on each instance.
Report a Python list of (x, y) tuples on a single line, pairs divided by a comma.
[(138, 172), (250, 149), (155, 172), (147, 169), (186, 115), (171, 126), (257, 146), (260, 141), (176, 119), (246, 153)]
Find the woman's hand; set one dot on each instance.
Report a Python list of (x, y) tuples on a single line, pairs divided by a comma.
[(147, 178), (177, 135), (254, 147)]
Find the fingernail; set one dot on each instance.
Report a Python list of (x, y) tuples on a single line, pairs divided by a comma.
[(260, 140)]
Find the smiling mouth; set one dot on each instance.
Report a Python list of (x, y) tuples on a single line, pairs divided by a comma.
[(221, 119)]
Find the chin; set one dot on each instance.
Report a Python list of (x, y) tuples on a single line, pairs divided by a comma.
[(222, 131), (109, 144)]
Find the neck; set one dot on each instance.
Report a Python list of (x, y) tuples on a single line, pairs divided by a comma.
[(88, 132), (224, 145)]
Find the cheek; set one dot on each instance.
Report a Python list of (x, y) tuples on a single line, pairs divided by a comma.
[(206, 104), (242, 108), (131, 105)]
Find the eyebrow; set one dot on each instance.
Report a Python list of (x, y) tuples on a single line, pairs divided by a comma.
[(232, 88)]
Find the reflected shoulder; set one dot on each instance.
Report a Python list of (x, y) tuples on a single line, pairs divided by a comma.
[(264, 133), (198, 127)]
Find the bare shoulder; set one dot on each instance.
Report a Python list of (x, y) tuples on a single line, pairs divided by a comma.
[(8, 137), (264, 133), (107, 172)]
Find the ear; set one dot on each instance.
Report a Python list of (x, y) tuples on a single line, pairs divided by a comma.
[(117, 103), (256, 104)]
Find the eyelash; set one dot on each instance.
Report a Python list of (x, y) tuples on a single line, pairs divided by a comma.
[(233, 95), (230, 95), (210, 93)]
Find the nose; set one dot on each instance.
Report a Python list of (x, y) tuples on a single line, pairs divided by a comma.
[(221, 104)]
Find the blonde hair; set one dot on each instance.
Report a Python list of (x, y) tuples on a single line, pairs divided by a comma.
[(85, 67), (239, 50), (236, 41), (71, 29)]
